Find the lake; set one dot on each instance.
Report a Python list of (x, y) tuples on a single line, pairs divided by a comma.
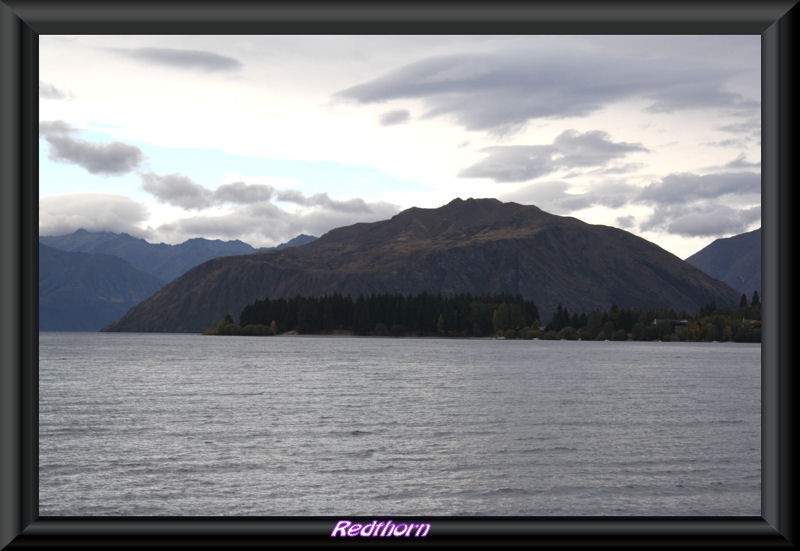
[(166, 424)]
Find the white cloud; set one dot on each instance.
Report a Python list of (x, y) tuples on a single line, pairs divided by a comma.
[(62, 214)]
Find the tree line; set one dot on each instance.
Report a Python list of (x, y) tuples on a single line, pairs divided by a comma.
[(462, 315), (506, 316), (711, 323)]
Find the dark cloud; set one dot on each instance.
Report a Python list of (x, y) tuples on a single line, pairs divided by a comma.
[(690, 205), (48, 91), (555, 196), (571, 149), (185, 59), (549, 196), (592, 148), (701, 219), (613, 194), (626, 222), (108, 159), (323, 200), (747, 130), (695, 90), (679, 189), (513, 163), (180, 191), (682, 204), (47, 128), (177, 190), (239, 192), (626, 168), (62, 214), (741, 163), (398, 116), (727, 143), (501, 91)]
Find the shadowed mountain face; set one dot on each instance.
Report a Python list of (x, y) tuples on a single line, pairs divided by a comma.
[(734, 260), (163, 261), (84, 292), (474, 246)]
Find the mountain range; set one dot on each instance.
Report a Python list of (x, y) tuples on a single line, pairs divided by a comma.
[(90, 279), (477, 246), (161, 260), (84, 292), (734, 260)]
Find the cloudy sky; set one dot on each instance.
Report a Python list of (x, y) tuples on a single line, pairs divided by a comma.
[(262, 138)]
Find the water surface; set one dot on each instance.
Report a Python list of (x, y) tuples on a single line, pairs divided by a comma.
[(155, 424)]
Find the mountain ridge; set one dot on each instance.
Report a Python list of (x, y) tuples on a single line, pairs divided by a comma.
[(161, 260), (734, 260), (476, 246)]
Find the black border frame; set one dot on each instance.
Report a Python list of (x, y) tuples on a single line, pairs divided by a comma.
[(22, 21)]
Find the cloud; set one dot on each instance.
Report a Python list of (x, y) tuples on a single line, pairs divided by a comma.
[(513, 163), (749, 126), (621, 169), (701, 220), (625, 222), (592, 148), (177, 190), (689, 204), (682, 204), (108, 159), (323, 200), (741, 163), (555, 196), (239, 192), (265, 223), (184, 59), (549, 196), (398, 116), (48, 91), (503, 90), (571, 149), (731, 142), (687, 187), (181, 191), (62, 214)]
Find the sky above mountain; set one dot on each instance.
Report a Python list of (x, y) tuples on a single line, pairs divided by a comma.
[(261, 138)]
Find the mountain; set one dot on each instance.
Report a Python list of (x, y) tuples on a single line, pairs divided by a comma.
[(474, 246), (302, 239), (84, 292), (163, 261), (734, 260)]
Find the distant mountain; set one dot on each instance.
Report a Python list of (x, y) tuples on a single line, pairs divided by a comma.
[(474, 246), (734, 260), (165, 262), (84, 292), (302, 239)]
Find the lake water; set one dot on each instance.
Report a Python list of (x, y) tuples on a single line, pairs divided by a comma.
[(162, 424)]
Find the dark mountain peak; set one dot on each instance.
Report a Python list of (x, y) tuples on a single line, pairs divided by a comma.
[(734, 260), (302, 239), (488, 201), (458, 222)]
